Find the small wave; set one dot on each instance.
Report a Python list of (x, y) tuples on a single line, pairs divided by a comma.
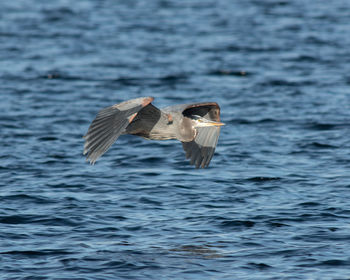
[(40, 253), (334, 262), (326, 126), (146, 200), (223, 72), (237, 224), (253, 121), (318, 145), (286, 83), (263, 179), (37, 219), (25, 198), (309, 204), (259, 266)]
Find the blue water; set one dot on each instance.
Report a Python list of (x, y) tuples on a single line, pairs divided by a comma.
[(273, 204)]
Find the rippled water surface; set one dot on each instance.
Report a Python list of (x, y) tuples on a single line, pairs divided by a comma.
[(273, 204)]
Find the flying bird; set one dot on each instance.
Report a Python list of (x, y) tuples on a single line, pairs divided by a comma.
[(196, 125)]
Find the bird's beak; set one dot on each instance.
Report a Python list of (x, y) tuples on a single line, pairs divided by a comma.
[(218, 123), (212, 123)]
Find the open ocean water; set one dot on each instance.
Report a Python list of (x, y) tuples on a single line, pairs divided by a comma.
[(273, 204)]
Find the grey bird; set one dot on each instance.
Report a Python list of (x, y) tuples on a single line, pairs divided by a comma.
[(196, 125)]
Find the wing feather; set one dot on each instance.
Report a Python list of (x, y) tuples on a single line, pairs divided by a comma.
[(201, 150), (109, 124)]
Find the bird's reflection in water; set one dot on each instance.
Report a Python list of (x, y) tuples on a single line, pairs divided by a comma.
[(205, 251)]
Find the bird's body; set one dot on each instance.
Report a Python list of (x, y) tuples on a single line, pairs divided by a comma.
[(197, 126)]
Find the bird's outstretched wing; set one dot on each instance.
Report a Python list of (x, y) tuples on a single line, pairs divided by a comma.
[(201, 149), (109, 124)]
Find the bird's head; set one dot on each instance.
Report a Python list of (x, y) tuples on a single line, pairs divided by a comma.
[(199, 121)]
